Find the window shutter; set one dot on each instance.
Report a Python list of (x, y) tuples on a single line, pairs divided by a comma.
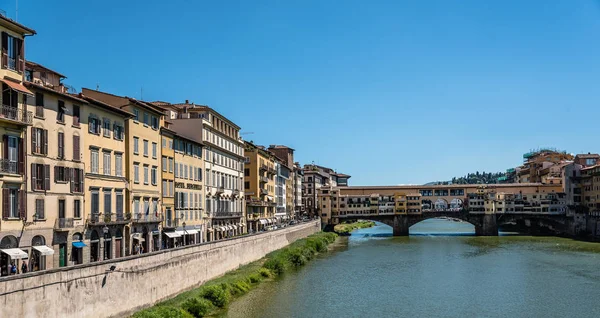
[(61, 145), (56, 173), (76, 145), (4, 50), (80, 179), (5, 202), (33, 176), (5, 150), (72, 179), (20, 58), (33, 140), (22, 203), (21, 151), (90, 125), (45, 136), (46, 177)]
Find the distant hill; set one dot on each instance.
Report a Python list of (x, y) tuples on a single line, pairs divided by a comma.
[(472, 178)]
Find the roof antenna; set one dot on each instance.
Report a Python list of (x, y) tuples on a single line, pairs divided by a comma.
[(142, 93), (16, 10), (97, 87)]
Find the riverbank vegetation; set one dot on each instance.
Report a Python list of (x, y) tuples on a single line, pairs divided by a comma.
[(216, 294), (344, 229)]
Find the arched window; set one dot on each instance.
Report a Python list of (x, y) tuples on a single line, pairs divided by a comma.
[(38, 240), (9, 241), (77, 237)]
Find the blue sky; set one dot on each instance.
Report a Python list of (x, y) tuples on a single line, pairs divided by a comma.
[(391, 92)]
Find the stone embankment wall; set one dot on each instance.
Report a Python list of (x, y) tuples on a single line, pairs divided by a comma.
[(92, 290)]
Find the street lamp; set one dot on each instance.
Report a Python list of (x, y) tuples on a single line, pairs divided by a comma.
[(184, 233)]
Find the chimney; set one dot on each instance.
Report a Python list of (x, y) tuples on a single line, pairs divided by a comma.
[(187, 101)]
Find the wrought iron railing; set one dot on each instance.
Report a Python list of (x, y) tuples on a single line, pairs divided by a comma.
[(227, 215), (16, 114), (8, 166), (142, 217), (64, 223)]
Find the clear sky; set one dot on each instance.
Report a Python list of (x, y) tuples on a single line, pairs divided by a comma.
[(390, 92)]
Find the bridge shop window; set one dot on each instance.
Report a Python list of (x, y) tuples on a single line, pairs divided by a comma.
[(457, 192), (441, 192), (426, 193)]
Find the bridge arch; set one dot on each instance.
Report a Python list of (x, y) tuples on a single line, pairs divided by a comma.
[(441, 204)]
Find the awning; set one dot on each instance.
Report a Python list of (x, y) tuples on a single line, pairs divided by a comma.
[(172, 234), (192, 232), (14, 253), (44, 250), (79, 244), (270, 221), (138, 236), (17, 87), (263, 221), (181, 233), (156, 232)]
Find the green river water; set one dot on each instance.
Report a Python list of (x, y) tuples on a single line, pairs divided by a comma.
[(441, 270)]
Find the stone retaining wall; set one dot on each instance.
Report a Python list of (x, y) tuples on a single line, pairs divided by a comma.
[(92, 290)]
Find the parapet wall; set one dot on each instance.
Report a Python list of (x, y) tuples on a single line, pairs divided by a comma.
[(92, 290)]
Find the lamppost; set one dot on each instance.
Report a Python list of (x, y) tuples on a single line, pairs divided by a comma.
[(184, 233), (105, 231)]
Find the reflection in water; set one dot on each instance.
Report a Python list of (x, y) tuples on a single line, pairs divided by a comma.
[(371, 274)]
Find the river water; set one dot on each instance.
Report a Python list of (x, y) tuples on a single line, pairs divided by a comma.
[(441, 270)]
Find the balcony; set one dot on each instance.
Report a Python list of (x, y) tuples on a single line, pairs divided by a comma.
[(146, 218), (256, 203), (264, 168), (7, 166), (172, 222), (225, 215), (220, 189), (63, 223), (104, 218), (264, 179), (14, 114), (263, 191), (236, 192)]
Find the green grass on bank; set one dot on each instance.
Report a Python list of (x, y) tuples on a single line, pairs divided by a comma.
[(219, 292), (346, 228)]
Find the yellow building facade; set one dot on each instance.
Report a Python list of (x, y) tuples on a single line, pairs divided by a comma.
[(171, 220), (20, 232), (259, 187), (142, 168)]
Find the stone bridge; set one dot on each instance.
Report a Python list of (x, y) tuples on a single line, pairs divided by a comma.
[(485, 224)]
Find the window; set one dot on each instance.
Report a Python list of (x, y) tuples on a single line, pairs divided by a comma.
[(153, 175), (136, 205), (106, 127), (95, 204), (185, 170), (154, 122), (12, 154), (136, 172), (60, 114), (77, 209), (118, 131), (145, 148), (170, 164), (61, 174), (76, 177), (39, 141), (106, 163), (39, 105), (171, 144), (13, 48), (119, 165), (164, 164), (76, 147), (76, 115), (40, 177), (146, 119), (119, 202), (171, 189), (107, 203), (164, 142), (39, 210), (247, 185), (95, 161), (154, 151), (61, 145), (136, 114), (165, 188), (94, 125), (146, 206), (246, 172), (62, 208), (136, 145), (145, 174)]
